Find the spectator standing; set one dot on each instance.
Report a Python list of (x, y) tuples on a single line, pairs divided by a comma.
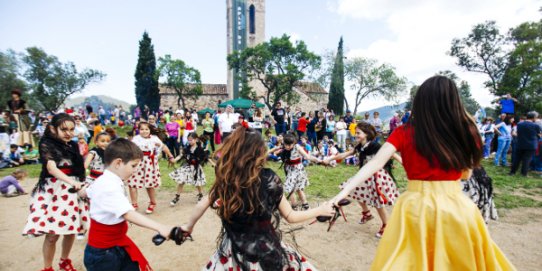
[(504, 131), (488, 131), (225, 122), (507, 104), (377, 123), (301, 125), (279, 116), (342, 132), (395, 121), (528, 136)]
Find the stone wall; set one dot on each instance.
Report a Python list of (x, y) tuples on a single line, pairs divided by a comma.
[(213, 94)]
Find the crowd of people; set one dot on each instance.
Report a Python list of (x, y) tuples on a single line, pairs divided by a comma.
[(81, 189)]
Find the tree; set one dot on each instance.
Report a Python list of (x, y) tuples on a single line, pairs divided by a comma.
[(523, 77), (463, 87), (146, 82), (185, 80), (52, 81), (482, 51), (512, 62), (412, 94), (369, 79), (336, 91), (9, 76), (278, 65)]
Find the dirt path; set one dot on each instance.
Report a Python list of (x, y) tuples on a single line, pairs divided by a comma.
[(349, 246)]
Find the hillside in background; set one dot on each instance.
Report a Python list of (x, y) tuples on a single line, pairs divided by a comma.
[(386, 112), (95, 101)]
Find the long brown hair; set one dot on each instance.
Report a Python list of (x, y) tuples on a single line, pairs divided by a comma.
[(237, 173), (443, 130)]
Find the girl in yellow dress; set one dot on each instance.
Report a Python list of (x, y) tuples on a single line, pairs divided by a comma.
[(434, 226)]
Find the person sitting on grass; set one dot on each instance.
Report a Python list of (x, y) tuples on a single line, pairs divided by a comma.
[(15, 158), (31, 155)]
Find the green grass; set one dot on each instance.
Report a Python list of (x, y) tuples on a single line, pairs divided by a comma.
[(510, 191)]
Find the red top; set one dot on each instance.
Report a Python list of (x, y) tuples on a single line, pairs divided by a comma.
[(188, 125), (416, 166), (302, 124)]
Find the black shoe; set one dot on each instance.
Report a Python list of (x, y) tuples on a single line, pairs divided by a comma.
[(511, 174), (305, 206), (199, 196), (175, 200)]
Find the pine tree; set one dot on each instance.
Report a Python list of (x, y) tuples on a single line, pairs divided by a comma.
[(146, 81), (336, 88)]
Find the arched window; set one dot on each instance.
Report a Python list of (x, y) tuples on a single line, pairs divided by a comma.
[(252, 19)]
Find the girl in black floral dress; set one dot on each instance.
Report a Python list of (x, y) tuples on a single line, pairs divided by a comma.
[(249, 200), (55, 210)]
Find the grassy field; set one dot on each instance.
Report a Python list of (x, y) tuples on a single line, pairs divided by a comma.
[(510, 191)]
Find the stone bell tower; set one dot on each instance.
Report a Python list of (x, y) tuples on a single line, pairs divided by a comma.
[(246, 28)]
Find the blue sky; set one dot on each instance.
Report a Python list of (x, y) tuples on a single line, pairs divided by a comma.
[(412, 35)]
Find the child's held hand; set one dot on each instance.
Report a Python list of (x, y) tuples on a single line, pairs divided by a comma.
[(187, 228), (326, 209), (165, 230)]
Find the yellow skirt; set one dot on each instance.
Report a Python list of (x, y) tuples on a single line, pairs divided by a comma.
[(434, 226)]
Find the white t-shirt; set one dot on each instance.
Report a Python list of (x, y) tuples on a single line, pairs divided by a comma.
[(109, 199), (225, 121)]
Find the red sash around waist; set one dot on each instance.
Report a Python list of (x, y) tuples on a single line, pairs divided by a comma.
[(107, 236), (67, 170), (95, 173), (293, 162), (151, 155)]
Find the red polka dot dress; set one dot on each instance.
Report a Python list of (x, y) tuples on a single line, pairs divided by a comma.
[(380, 189), (147, 174), (53, 209)]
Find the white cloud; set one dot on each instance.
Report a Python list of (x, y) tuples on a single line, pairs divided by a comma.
[(423, 30)]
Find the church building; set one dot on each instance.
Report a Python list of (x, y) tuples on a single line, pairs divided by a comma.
[(245, 28)]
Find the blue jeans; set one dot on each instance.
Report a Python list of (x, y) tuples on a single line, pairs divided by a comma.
[(487, 145), (111, 259), (312, 138), (502, 150), (280, 128)]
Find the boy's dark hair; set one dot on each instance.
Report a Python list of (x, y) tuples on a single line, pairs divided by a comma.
[(96, 122), (13, 146), (124, 149)]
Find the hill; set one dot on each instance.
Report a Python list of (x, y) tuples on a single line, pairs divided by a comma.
[(94, 100), (386, 112)]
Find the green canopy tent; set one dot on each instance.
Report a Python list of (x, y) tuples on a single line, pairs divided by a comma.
[(241, 103), (204, 111)]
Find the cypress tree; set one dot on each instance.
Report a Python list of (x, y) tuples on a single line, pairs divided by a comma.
[(146, 81), (336, 88)]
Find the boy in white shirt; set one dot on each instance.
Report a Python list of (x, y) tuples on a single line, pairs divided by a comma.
[(109, 248)]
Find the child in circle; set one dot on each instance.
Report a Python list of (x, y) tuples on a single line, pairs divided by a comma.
[(296, 176), (249, 200), (379, 189), (109, 248), (434, 226), (191, 172), (147, 174), (55, 210), (95, 158)]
